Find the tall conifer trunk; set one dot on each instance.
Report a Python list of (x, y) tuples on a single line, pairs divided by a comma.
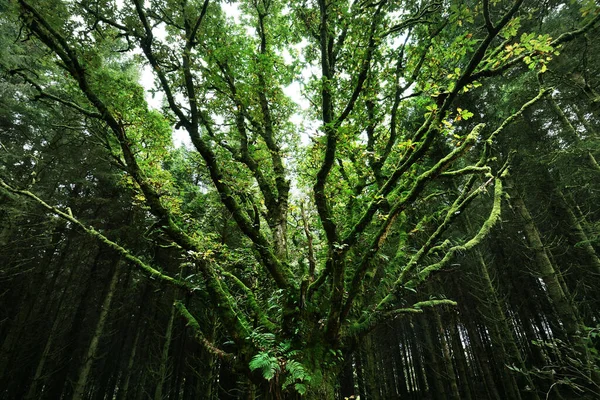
[(84, 372), (547, 272), (446, 357), (164, 359), (33, 390), (556, 291)]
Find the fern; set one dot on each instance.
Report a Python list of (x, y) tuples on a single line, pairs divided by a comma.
[(296, 372), (268, 365), (300, 388), (284, 347), (262, 340), (272, 357)]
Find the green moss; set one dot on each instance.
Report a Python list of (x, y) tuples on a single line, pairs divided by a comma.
[(193, 323)]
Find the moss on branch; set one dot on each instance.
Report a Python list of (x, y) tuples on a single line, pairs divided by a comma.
[(149, 270), (474, 241), (198, 335)]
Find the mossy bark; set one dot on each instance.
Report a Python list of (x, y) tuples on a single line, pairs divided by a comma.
[(82, 380), (547, 272), (447, 358), (164, 358)]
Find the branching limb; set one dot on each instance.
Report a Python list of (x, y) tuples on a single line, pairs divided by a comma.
[(45, 95), (420, 17), (459, 205), (236, 322), (471, 169), (399, 207), (478, 56), (462, 201), (408, 159), (563, 38), (367, 324), (320, 279), (312, 264), (200, 337), (234, 318), (150, 271), (278, 210), (486, 15), (543, 92), (146, 45), (55, 42), (275, 267), (364, 69), (320, 197), (474, 241), (260, 314), (104, 19)]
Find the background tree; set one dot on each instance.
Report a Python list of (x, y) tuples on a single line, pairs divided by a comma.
[(412, 109)]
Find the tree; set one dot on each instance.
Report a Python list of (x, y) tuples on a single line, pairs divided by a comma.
[(386, 87)]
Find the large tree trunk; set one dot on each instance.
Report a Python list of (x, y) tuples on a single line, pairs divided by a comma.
[(556, 291), (547, 272)]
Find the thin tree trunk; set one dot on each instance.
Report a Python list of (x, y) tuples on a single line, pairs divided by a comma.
[(179, 362), (480, 355), (417, 357), (579, 234), (592, 132), (447, 359), (84, 373), (210, 382), (572, 131), (503, 334), (347, 378), (371, 371), (164, 360), (27, 304), (461, 363), (434, 362), (124, 390), (33, 388), (546, 271)]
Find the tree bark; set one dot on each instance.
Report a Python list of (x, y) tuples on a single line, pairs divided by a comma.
[(32, 393), (164, 359), (84, 373), (547, 272), (579, 234), (435, 375), (447, 359)]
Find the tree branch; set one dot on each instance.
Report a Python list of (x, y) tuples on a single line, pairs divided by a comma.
[(90, 231), (198, 335)]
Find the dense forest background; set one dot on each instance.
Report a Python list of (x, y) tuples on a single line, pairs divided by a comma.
[(378, 241)]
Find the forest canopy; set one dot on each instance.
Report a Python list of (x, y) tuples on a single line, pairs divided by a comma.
[(357, 176)]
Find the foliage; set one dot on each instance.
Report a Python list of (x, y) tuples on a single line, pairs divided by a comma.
[(397, 150), (571, 371)]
